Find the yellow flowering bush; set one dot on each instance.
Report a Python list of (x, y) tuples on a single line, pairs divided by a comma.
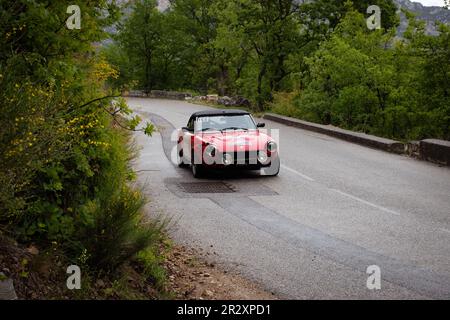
[(64, 164)]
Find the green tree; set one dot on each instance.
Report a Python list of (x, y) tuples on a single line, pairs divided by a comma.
[(433, 59), (356, 81), (258, 37), (372, 82), (140, 36), (196, 21)]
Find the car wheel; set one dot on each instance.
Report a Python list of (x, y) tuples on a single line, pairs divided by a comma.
[(197, 170), (274, 168), (180, 159)]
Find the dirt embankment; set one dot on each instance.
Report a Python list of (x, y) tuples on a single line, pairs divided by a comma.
[(42, 275), (191, 277)]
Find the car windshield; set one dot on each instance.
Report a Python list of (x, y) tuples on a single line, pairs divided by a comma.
[(223, 123)]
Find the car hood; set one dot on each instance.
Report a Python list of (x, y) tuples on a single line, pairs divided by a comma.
[(238, 140)]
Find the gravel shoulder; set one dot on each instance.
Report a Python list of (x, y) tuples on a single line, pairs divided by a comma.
[(192, 277)]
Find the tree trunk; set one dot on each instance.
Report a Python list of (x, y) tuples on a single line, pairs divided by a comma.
[(260, 98), (223, 79)]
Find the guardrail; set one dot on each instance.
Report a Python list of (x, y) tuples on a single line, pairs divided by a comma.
[(432, 150), (355, 137), (158, 94)]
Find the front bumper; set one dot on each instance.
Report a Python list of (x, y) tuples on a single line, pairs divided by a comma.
[(241, 159)]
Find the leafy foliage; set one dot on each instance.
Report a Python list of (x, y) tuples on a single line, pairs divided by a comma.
[(65, 174), (369, 81)]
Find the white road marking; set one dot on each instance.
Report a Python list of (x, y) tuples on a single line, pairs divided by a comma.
[(346, 194), (297, 173), (366, 202)]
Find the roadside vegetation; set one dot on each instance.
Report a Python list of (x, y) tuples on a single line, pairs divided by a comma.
[(317, 61), (377, 84), (67, 191)]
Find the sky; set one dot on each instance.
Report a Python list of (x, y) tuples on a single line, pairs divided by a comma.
[(431, 2)]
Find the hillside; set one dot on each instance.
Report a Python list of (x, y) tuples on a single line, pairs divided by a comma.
[(428, 14)]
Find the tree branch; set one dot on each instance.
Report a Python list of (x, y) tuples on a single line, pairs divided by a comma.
[(98, 99)]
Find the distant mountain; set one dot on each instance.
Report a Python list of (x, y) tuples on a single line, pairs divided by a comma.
[(163, 4), (428, 14)]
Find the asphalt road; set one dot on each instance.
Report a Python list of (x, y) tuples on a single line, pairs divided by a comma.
[(310, 233)]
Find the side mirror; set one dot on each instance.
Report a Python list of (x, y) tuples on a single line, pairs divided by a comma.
[(185, 129), (261, 125)]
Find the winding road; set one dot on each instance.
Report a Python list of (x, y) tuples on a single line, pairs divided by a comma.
[(311, 233)]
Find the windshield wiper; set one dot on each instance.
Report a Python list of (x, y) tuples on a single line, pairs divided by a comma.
[(206, 129), (234, 128)]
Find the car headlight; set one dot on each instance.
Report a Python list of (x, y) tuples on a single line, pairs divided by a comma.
[(210, 150), (262, 156), (227, 159), (271, 146)]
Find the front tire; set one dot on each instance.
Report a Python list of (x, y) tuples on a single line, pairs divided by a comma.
[(197, 170), (180, 159), (274, 168)]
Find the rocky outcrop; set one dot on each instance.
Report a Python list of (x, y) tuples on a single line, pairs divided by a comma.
[(428, 14), (7, 291)]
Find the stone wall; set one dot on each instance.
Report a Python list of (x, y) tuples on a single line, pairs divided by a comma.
[(433, 150), (158, 94)]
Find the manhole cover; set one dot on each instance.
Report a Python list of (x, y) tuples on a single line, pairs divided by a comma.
[(206, 187)]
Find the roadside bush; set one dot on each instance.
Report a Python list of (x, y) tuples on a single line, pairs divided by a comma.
[(31, 143), (285, 103), (119, 231), (119, 228), (66, 179), (151, 261), (64, 146)]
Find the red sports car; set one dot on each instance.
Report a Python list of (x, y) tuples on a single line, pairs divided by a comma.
[(226, 138)]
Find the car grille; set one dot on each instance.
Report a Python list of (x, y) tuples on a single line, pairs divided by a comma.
[(245, 158)]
